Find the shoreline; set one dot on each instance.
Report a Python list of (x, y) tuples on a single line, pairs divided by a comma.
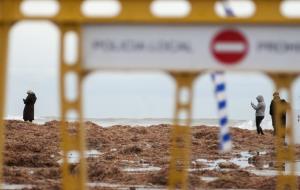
[(146, 122)]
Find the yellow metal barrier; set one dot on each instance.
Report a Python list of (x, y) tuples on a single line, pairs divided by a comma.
[(133, 11)]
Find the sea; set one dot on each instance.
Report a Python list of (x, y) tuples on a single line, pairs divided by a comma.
[(144, 122)]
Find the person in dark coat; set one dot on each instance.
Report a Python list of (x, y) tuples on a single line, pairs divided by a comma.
[(274, 103), (283, 118), (283, 115), (28, 113)]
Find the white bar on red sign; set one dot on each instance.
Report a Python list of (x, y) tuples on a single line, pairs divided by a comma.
[(229, 47)]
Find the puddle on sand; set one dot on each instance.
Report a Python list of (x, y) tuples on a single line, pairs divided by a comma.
[(15, 186), (73, 156), (138, 166), (275, 172), (142, 169), (267, 173), (209, 179), (241, 161), (121, 187)]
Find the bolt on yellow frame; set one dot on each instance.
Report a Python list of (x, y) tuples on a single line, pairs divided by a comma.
[(71, 19)]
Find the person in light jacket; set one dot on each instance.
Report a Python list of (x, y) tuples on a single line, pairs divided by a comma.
[(259, 113)]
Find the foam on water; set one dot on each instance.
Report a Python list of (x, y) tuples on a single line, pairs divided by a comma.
[(250, 124)]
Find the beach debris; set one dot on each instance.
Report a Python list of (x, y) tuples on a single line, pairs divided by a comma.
[(132, 149), (36, 147), (227, 165)]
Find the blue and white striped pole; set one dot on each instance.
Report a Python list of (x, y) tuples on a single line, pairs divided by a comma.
[(220, 89), (228, 11)]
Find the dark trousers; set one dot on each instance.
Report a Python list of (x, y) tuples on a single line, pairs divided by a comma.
[(274, 125), (282, 125), (258, 122)]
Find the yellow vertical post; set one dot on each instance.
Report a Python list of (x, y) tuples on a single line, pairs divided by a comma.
[(73, 139), (180, 134), (285, 152), (6, 8), (3, 65)]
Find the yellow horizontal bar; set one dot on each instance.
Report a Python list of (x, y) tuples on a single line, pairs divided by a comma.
[(138, 12)]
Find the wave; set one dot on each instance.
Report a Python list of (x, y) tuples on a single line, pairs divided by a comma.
[(250, 124)]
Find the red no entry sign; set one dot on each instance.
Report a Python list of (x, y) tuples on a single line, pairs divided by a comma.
[(229, 46)]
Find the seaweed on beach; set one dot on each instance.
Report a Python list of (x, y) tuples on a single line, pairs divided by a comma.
[(32, 153)]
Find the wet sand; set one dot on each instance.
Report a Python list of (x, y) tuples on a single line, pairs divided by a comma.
[(136, 156)]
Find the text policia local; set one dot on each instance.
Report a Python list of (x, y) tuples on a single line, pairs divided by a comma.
[(131, 45), (176, 46)]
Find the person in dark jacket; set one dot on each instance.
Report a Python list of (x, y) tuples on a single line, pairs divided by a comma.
[(283, 115), (274, 103), (28, 113), (283, 118), (259, 113)]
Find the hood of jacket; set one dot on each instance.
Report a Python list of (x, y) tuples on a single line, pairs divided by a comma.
[(260, 98)]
